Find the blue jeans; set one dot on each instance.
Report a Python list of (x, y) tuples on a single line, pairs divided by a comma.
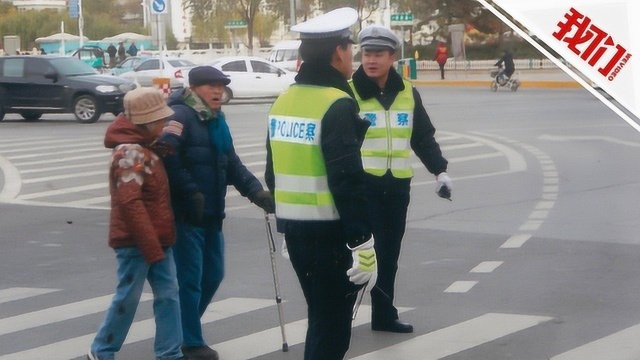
[(132, 272), (199, 257)]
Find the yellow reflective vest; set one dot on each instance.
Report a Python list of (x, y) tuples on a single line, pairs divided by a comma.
[(387, 144), (295, 131)]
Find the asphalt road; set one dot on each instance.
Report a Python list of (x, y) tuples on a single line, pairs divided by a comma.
[(535, 258)]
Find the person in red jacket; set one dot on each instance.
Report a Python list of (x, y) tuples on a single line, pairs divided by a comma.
[(441, 57), (141, 229)]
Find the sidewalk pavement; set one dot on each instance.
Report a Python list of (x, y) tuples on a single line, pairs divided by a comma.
[(538, 78)]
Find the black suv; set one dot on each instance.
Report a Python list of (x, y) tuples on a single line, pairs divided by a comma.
[(34, 85)]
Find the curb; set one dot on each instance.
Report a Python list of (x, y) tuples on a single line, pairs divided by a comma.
[(523, 83)]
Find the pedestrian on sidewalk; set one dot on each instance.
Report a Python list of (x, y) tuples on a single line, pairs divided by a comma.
[(314, 169), (394, 108), (203, 165), (441, 57), (141, 229)]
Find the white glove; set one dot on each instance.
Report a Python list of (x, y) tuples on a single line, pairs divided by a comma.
[(444, 186), (284, 251), (364, 268)]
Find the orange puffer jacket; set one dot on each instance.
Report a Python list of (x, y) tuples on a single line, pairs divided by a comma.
[(140, 203)]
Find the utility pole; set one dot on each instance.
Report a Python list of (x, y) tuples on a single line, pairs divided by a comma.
[(80, 23), (292, 13)]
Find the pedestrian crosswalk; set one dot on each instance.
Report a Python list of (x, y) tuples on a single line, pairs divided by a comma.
[(71, 171), (437, 344)]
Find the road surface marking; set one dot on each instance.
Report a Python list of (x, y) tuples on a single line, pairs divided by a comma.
[(270, 340), (531, 225), (57, 313), (588, 138), (105, 155), (457, 338), (622, 345), (68, 190), (460, 287), (515, 241), (140, 330), (66, 176), (19, 293), (486, 267)]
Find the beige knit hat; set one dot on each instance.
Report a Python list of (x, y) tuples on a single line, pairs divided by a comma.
[(145, 105)]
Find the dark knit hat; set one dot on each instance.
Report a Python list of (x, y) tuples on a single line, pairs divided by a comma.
[(201, 75)]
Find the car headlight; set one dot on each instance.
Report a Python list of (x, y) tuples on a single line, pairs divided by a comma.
[(125, 88), (106, 88)]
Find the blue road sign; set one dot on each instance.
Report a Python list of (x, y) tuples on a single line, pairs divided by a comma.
[(73, 9), (158, 7)]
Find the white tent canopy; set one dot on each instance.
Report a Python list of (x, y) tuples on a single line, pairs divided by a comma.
[(59, 37), (125, 37)]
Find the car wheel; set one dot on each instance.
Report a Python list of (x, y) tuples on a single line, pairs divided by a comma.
[(86, 109), (227, 96), (30, 115), (2, 113)]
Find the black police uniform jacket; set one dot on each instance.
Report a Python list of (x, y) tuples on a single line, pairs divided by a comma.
[(342, 135)]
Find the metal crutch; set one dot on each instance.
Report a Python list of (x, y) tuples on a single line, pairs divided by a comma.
[(276, 282)]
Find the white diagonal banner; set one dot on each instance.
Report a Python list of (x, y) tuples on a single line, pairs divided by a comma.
[(599, 38)]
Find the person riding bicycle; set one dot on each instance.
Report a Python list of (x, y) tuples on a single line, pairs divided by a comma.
[(509, 67)]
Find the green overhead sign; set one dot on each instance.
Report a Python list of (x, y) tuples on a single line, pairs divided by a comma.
[(235, 24), (401, 19)]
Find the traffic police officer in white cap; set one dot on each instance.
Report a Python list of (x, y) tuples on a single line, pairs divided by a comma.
[(394, 109), (315, 171)]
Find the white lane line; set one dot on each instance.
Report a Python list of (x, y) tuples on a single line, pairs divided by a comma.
[(531, 225), (270, 340), (65, 176), (63, 191), (550, 196), (12, 180), (87, 202), (26, 144), (140, 330), (550, 189), (55, 153), (84, 145), (486, 267), (622, 345), (19, 293), (20, 140), (515, 241), (460, 146), (550, 181), (57, 314), (457, 338), (538, 214), (105, 155), (545, 205), (516, 161), (61, 167), (460, 287)]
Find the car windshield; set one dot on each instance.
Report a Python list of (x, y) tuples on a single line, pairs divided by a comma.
[(181, 63), (71, 67)]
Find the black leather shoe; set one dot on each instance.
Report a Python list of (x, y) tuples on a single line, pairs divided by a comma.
[(395, 326)]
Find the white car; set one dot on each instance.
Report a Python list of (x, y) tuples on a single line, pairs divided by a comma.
[(252, 77), (176, 69)]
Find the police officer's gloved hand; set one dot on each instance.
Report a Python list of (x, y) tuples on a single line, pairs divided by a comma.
[(264, 199), (444, 186), (364, 268), (196, 210)]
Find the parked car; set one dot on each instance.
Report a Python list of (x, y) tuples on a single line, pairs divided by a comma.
[(128, 64), (176, 69), (35, 85), (252, 77), (93, 56), (285, 54)]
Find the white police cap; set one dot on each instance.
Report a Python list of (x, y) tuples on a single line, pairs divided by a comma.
[(334, 24), (378, 37)]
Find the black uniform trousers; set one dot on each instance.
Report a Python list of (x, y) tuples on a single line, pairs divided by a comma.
[(388, 203), (320, 258)]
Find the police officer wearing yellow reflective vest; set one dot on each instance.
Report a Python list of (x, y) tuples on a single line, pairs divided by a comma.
[(399, 124), (315, 170)]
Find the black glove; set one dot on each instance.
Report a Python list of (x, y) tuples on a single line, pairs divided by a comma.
[(264, 199), (196, 209)]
